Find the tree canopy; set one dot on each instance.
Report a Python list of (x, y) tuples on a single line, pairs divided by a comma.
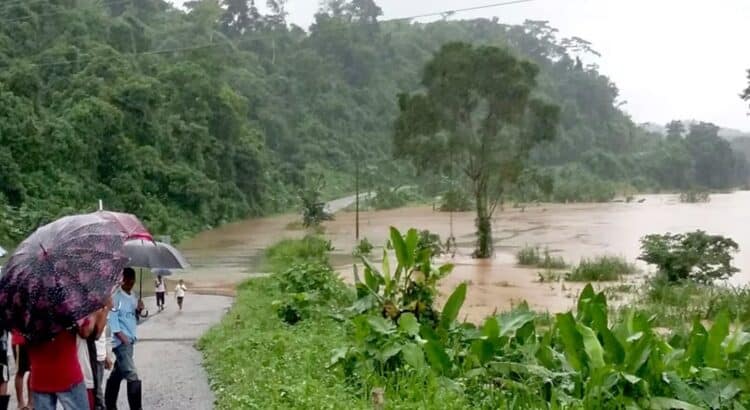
[(194, 118), (477, 111)]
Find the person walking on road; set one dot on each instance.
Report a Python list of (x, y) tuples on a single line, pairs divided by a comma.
[(161, 290), (179, 292), (122, 322)]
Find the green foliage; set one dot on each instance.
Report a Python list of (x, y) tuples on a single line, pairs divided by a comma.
[(478, 109), (430, 241), (363, 248), (601, 268), (694, 196), (678, 303), (391, 198), (285, 253), (533, 256), (456, 201), (313, 208), (695, 256)]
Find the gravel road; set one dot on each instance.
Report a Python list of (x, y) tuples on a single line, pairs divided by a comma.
[(167, 361)]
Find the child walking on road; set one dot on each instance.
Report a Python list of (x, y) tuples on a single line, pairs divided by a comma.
[(179, 292)]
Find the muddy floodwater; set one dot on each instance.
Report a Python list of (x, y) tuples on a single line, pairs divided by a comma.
[(225, 256)]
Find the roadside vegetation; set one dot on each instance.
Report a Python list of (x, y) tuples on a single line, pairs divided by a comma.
[(385, 343)]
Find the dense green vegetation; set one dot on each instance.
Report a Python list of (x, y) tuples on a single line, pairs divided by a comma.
[(601, 268), (190, 119), (391, 345), (694, 256), (534, 256)]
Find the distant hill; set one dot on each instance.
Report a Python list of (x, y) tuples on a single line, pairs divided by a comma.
[(727, 133)]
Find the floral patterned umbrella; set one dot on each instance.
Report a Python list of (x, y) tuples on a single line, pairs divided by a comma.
[(61, 273), (130, 225)]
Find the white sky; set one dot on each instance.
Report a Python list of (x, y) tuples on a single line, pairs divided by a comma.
[(671, 59)]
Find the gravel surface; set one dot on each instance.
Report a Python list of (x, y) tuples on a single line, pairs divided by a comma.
[(167, 361)]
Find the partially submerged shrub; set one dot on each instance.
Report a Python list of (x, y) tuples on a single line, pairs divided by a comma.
[(363, 248), (456, 201), (602, 268), (695, 256), (694, 196), (533, 256)]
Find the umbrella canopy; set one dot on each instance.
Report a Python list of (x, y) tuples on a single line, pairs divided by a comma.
[(148, 254), (130, 225), (161, 272), (60, 274)]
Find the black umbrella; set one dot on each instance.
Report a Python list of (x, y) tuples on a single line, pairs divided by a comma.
[(153, 255)]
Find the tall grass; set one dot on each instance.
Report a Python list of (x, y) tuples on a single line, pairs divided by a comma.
[(533, 256), (283, 254), (601, 268)]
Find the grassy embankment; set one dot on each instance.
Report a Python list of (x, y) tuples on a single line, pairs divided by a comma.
[(275, 348)]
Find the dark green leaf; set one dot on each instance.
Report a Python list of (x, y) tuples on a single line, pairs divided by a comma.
[(453, 306)]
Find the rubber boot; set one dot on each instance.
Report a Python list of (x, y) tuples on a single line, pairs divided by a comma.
[(4, 400), (111, 391), (134, 395)]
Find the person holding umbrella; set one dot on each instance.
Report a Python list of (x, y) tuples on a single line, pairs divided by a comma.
[(123, 320), (52, 286)]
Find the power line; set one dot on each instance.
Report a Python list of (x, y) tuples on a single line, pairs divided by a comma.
[(45, 15), (455, 11), (451, 12)]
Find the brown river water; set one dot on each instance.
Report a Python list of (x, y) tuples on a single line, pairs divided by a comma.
[(225, 256)]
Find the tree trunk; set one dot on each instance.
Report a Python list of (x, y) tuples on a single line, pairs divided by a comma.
[(483, 222)]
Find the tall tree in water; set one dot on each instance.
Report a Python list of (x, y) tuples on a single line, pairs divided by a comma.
[(478, 108)]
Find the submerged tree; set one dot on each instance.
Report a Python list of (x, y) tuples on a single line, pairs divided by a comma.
[(478, 108)]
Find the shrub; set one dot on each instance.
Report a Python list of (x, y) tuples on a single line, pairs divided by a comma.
[(602, 268), (456, 201), (390, 198), (694, 196), (431, 241), (532, 256), (313, 208), (695, 256), (363, 248), (308, 288), (287, 252), (528, 256)]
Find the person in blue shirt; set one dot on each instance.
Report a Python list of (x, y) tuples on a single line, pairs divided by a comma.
[(122, 321)]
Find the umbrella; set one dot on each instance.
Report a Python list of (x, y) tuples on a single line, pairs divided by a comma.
[(149, 254), (161, 272), (153, 255), (60, 274), (128, 223)]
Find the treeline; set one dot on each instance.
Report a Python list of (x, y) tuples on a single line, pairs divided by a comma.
[(194, 118)]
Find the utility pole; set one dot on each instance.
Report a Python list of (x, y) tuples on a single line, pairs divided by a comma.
[(356, 203)]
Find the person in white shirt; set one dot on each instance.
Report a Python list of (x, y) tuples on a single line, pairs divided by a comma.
[(161, 290), (179, 292)]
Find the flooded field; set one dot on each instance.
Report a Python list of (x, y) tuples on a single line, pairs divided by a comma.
[(225, 256)]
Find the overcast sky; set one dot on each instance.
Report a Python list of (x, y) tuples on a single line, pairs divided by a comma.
[(671, 59)]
